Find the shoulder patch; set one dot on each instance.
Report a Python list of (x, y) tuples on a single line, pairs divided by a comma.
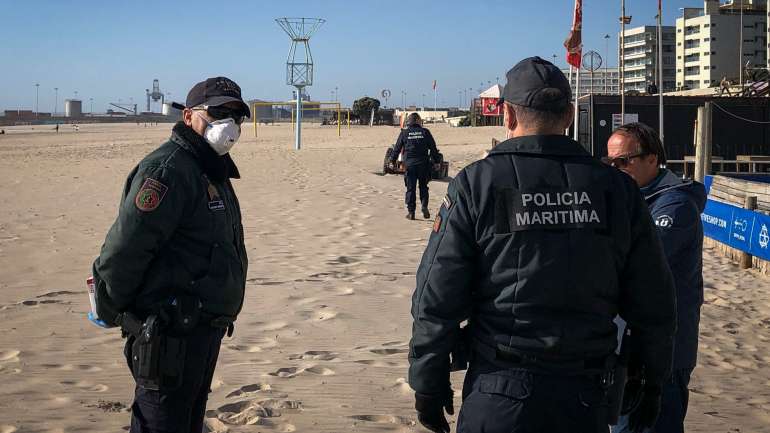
[(664, 221), (150, 195), (447, 202)]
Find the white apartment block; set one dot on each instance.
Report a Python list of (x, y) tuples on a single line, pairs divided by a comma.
[(640, 58), (709, 42), (605, 81)]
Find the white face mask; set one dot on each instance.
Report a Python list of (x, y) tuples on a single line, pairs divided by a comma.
[(221, 134)]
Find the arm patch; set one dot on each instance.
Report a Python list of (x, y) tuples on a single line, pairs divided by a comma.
[(150, 195)]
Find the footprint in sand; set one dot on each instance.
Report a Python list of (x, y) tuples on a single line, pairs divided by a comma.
[(388, 351), (250, 389), (72, 367), (244, 348), (269, 326), (11, 355), (32, 302), (86, 386), (321, 371), (253, 412), (345, 291), (320, 314), (316, 355), (289, 372), (57, 294), (301, 300), (386, 419), (377, 363)]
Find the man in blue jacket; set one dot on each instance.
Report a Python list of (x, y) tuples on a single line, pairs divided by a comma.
[(675, 205)]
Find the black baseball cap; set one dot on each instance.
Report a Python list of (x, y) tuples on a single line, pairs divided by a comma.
[(537, 84), (214, 92)]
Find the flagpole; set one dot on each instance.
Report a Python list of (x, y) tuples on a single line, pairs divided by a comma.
[(566, 132), (660, 71), (577, 109), (622, 61)]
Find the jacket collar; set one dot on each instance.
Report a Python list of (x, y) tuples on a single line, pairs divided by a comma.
[(218, 168), (665, 181), (541, 145)]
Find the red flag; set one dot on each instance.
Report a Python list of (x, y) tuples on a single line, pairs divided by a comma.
[(574, 42)]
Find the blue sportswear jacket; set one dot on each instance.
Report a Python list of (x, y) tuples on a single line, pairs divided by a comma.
[(676, 206)]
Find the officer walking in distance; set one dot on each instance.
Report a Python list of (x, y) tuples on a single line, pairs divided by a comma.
[(420, 150), (538, 246), (172, 269)]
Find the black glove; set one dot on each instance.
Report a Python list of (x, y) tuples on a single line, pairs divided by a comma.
[(430, 410), (645, 415)]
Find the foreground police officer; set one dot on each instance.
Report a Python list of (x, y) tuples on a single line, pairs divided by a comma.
[(420, 150), (539, 246), (172, 269), (675, 205)]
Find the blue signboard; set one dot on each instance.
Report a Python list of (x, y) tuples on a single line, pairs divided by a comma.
[(739, 228)]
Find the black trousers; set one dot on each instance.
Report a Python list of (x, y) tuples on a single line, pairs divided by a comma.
[(181, 410), (417, 174), (522, 401)]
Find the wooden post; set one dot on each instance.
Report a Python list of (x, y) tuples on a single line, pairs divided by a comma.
[(699, 146), (750, 203), (706, 139), (703, 144)]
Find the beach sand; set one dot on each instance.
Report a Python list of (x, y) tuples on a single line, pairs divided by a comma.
[(321, 343)]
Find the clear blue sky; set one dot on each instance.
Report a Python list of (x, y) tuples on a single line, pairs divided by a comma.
[(112, 50)]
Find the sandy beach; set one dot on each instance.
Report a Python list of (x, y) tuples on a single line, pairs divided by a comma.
[(321, 343)]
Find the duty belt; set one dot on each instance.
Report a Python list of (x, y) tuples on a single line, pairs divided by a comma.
[(221, 322), (509, 357)]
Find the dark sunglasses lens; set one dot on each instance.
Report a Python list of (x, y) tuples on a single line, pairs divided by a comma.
[(220, 113), (619, 162)]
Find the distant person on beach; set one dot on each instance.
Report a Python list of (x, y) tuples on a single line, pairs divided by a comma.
[(676, 206), (724, 86), (57, 128), (538, 246), (172, 270), (419, 151)]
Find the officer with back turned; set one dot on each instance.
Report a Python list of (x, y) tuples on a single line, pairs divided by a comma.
[(538, 246), (172, 270), (420, 149)]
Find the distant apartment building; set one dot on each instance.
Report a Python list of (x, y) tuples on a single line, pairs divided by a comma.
[(605, 81), (710, 41), (640, 58)]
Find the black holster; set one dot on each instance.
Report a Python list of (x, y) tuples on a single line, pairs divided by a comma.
[(615, 378), (614, 383), (460, 355), (156, 359)]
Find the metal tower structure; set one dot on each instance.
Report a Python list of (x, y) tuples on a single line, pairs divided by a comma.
[(299, 63), (156, 95)]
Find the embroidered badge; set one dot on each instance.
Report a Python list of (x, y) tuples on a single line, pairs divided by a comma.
[(215, 201), (150, 195), (437, 224)]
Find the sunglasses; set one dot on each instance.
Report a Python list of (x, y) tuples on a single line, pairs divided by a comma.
[(622, 161), (219, 113)]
